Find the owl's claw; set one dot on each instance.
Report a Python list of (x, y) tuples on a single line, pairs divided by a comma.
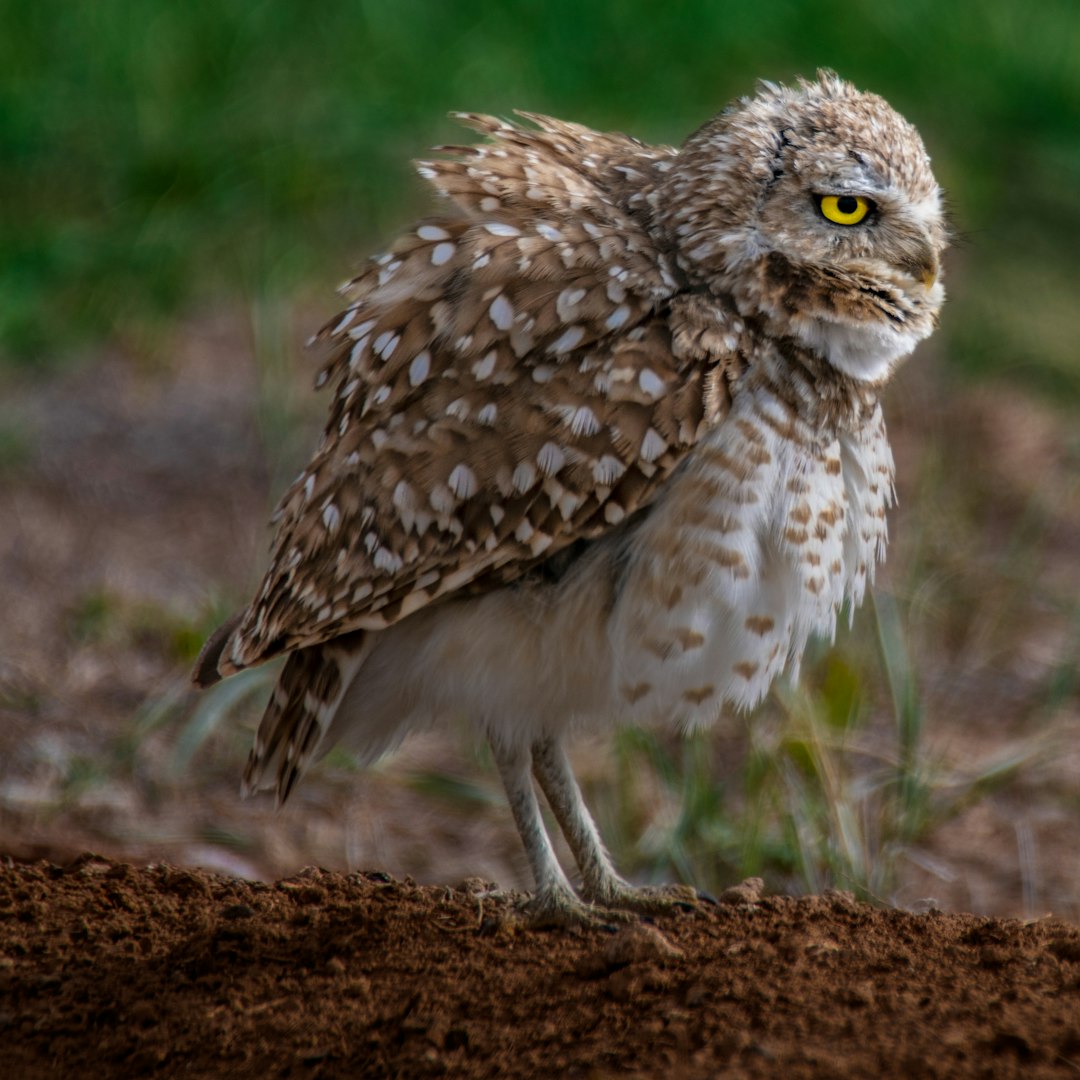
[(561, 909), (621, 896)]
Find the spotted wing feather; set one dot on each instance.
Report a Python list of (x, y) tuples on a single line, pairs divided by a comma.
[(507, 379)]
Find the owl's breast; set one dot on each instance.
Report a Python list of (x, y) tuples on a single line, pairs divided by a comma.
[(756, 544)]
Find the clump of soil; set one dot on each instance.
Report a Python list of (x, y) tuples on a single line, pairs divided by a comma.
[(112, 970)]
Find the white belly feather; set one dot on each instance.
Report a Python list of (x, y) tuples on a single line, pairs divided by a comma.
[(755, 546)]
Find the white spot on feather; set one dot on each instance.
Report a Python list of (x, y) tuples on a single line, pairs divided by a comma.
[(425, 581), (363, 329), (651, 383), (442, 253), (432, 232), (607, 470), (567, 300), (458, 408), (500, 228), (346, 319), (419, 368), (482, 369), (551, 458), (463, 481), (386, 560), (331, 517), (584, 422), (501, 312), (442, 499), (540, 542), (524, 477), (652, 445), (618, 317), (568, 340), (386, 343), (568, 502)]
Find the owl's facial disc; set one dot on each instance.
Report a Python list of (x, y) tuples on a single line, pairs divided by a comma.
[(816, 210), (851, 259)]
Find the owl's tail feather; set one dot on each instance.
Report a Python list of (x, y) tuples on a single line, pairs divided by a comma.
[(308, 693), (211, 666)]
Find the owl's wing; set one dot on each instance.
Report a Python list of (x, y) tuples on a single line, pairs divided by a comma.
[(507, 380)]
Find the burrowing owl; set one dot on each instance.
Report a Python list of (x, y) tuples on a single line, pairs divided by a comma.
[(604, 444)]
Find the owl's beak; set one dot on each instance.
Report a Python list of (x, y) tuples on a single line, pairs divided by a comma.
[(923, 267)]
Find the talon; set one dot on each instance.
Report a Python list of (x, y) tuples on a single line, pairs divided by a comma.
[(646, 900), (556, 909)]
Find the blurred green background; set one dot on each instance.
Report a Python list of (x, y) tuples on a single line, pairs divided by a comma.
[(156, 155)]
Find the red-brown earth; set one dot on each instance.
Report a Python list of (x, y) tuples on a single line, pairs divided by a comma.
[(107, 969)]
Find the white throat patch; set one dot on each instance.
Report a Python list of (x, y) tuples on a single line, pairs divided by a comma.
[(867, 352)]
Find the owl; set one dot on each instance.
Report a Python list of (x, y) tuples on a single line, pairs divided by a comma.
[(604, 445)]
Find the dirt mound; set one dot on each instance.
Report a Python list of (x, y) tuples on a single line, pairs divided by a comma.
[(111, 970)]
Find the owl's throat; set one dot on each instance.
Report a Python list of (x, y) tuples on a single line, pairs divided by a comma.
[(859, 326), (867, 352), (824, 401)]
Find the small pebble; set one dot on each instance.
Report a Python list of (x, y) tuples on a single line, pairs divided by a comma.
[(746, 892)]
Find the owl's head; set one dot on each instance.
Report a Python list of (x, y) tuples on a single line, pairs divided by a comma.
[(815, 209)]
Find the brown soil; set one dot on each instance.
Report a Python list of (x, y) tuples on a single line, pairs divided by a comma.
[(111, 970)]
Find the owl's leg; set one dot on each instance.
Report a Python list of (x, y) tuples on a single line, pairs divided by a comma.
[(600, 883), (555, 903)]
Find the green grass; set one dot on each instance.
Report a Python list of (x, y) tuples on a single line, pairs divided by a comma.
[(157, 156)]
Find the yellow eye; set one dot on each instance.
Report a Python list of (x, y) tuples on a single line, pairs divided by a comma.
[(844, 209)]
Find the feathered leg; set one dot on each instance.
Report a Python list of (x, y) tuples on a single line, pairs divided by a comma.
[(600, 883)]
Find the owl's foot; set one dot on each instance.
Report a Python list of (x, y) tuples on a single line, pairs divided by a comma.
[(558, 908), (620, 896)]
